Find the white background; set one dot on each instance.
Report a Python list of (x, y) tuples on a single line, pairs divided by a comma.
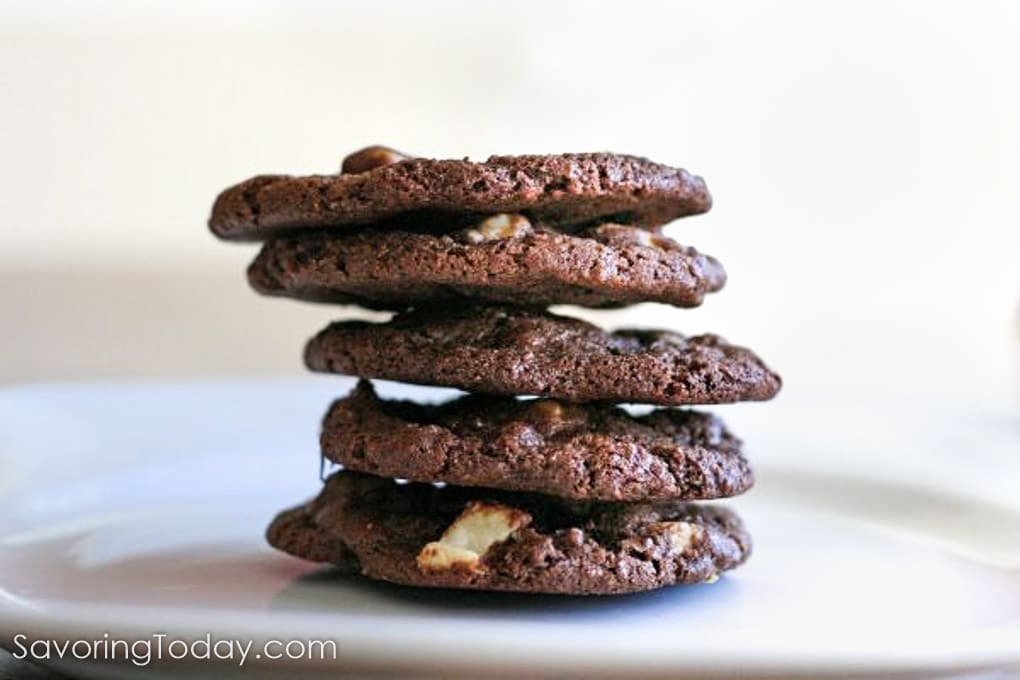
[(863, 157)]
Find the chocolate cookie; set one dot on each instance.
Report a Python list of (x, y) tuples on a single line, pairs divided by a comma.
[(592, 451), (515, 350), (456, 537), (503, 259), (564, 190)]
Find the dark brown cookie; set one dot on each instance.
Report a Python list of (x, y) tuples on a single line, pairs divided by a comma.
[(569, 189), (456, 537), (504, 259), (521, 351), (592, 451)]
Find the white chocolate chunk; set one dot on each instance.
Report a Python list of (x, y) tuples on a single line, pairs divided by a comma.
[(642, 238), (680, 535), (499, 227), (479, 527), (610, 232)]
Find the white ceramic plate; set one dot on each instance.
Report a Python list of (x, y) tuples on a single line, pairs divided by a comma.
[(130, 510)]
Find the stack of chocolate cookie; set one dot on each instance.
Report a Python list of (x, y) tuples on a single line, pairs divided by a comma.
[(536, 481)]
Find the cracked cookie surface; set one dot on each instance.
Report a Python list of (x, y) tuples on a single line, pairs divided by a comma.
[(456, 537), (606, 266), (592, 451), (524, 351), (564, 190)]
